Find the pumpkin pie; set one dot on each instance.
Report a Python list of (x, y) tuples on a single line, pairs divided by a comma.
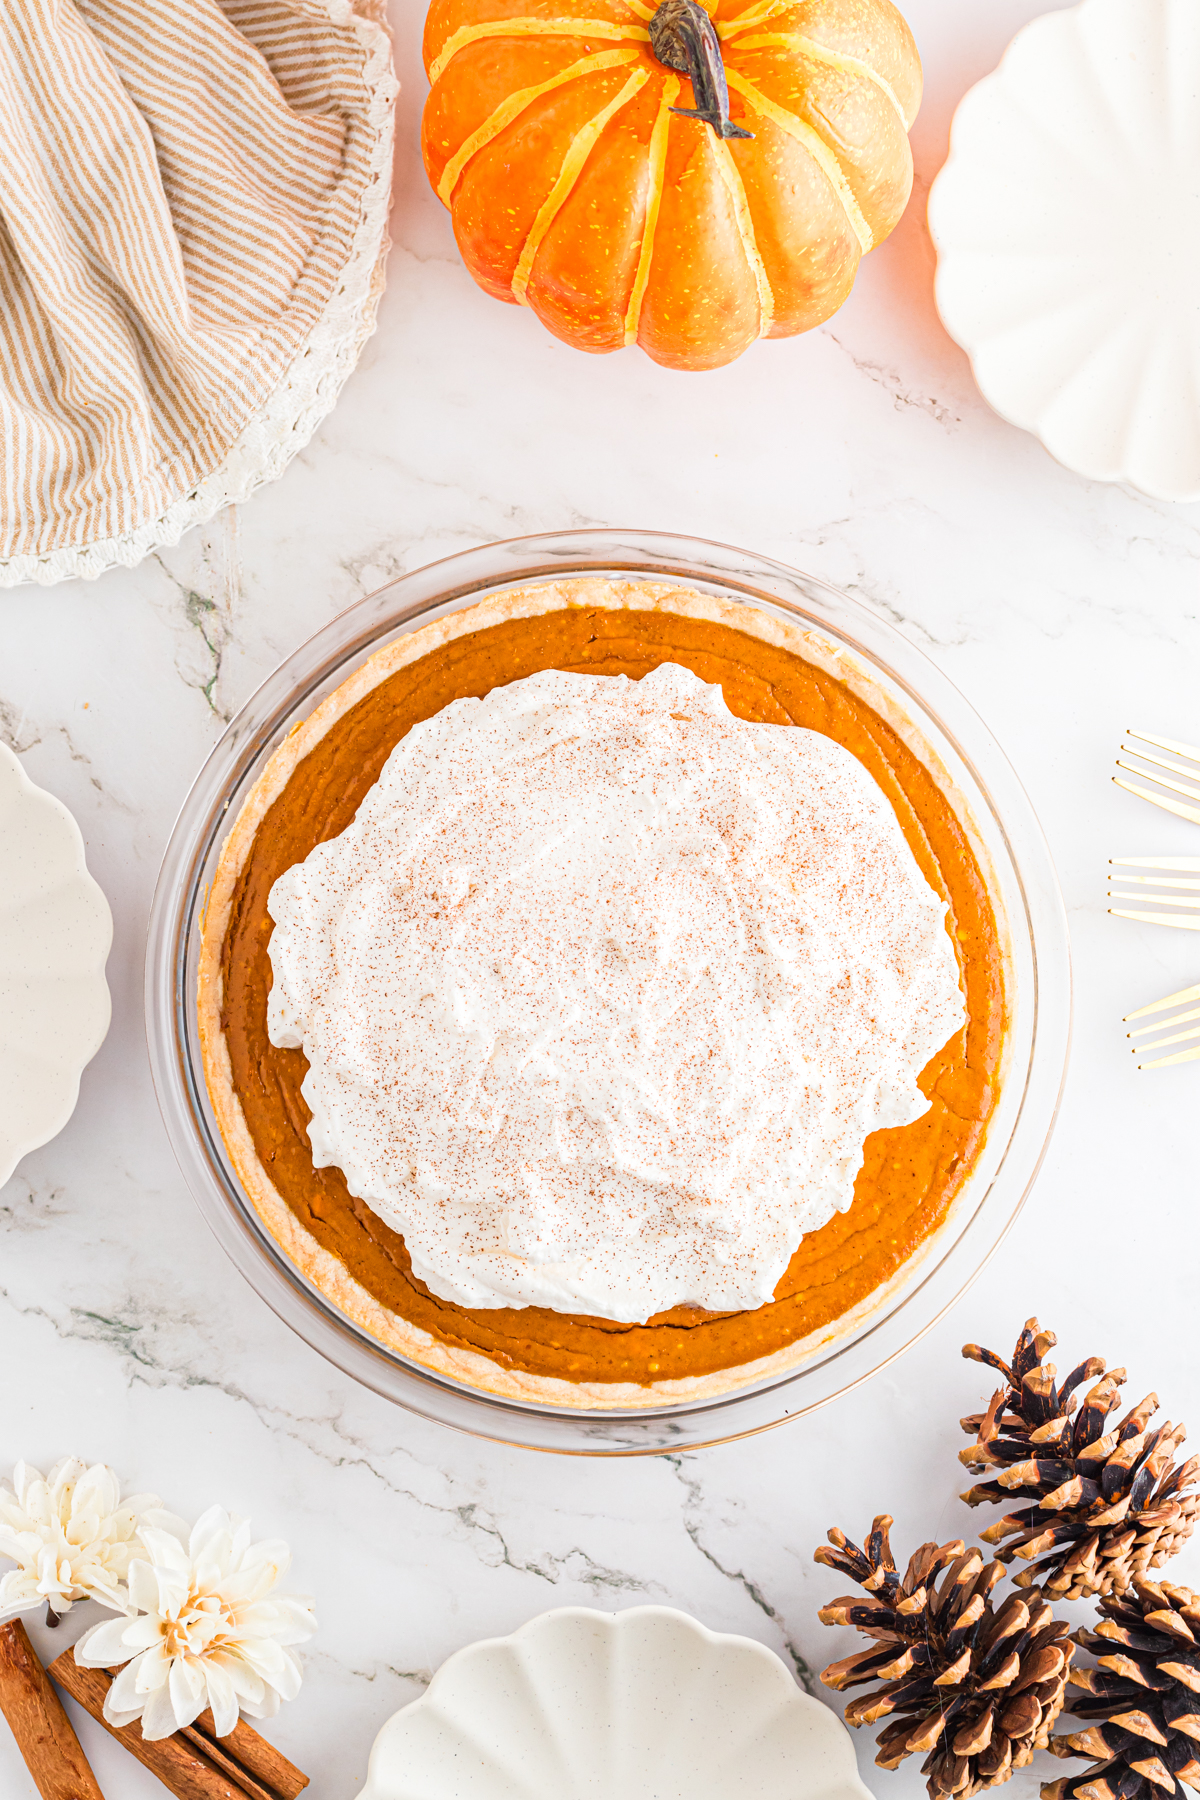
[(616, 1163)]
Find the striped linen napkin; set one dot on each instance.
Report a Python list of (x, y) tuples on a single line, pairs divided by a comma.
[(193, 217)]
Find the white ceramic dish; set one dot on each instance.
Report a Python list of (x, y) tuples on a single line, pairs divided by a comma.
[(1067, 227), (639, 1705), (55, 933)]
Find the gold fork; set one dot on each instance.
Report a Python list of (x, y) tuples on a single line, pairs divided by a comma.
[(1179, 1037), (1186, 750), (1189, 901)]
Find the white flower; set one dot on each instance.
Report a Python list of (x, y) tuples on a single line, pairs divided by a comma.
[(209, 1631), (72, 1535)]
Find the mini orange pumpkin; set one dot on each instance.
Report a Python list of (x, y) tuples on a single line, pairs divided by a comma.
[(683, 178)]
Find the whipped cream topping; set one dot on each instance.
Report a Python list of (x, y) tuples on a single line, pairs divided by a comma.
[(603, 989)]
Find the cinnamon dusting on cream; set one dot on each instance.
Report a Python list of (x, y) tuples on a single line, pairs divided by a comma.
[(603, 989)]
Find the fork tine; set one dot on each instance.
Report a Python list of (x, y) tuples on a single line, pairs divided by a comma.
[(1179, 999), (1160, 762), (1188, 750), (1176, 787), (1155, 862), (1180, 1037), (1165, 1062), (1149, 918), (1171, 806), (1170, 881), (1149, 1031), (1159, 899)]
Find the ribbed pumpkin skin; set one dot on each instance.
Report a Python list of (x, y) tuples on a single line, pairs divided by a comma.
[(576, 191)]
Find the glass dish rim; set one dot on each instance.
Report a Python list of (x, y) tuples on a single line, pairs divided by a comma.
[(291, 691)]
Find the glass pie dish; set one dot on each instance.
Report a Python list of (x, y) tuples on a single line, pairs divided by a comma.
[(967, 765)]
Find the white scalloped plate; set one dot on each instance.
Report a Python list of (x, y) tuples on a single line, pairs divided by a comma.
[(1067, 227), (640, 1705), (55, 934)]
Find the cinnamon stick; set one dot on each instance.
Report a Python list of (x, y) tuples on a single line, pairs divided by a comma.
[(256, 1755), (44, 1734), (194, 1763)]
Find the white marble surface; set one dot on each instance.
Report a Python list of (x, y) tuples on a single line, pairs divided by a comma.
[(863, 452)]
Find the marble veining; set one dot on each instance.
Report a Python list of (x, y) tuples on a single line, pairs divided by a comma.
[(1066, 610)]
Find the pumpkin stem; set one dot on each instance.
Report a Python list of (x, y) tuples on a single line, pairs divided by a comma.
[(682, 37)]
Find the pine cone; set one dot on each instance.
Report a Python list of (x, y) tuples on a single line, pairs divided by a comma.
[(1104, 1505), (976, 1689), (1144, 1697)]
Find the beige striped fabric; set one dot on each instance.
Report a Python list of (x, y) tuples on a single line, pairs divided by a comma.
[(193, 199)]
